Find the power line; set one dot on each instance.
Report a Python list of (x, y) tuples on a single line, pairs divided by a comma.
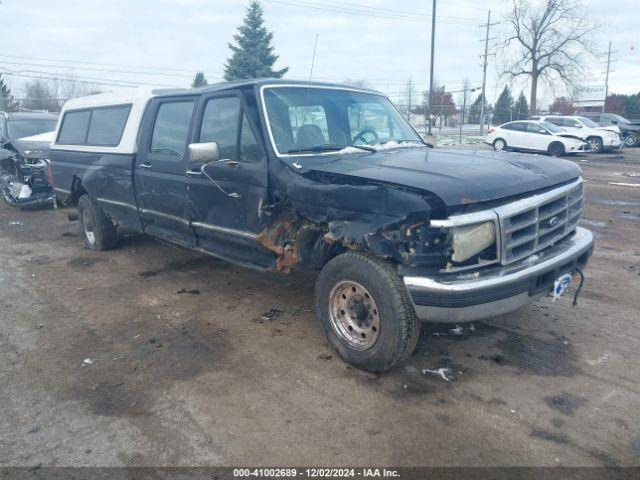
[(360, 12), (146, 68)]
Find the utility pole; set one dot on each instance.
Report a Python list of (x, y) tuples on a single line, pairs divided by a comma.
[(484, 69), (606, 81), (433, 40)]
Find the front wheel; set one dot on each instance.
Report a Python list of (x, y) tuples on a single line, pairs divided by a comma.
[(595, 144), (631, 140), (556, 149), (365, 312), (6, 190)]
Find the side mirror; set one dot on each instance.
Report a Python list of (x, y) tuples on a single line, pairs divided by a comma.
[(204, 152), (577, 125), (542, 131), (614, 122)]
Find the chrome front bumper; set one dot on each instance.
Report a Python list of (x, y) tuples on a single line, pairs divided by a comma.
[(498, 289)]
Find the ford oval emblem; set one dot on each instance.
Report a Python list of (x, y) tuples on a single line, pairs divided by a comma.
[(553, 221)]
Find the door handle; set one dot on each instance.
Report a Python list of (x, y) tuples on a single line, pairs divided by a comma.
[(193, 173), (144, 166), (231, 163)]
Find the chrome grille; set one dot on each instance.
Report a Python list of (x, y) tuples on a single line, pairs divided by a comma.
[(532, 224)]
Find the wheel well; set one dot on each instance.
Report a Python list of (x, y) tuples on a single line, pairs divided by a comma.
[(76, 190), (594, 136)]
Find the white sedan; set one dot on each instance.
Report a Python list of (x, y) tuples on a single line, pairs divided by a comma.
[(532, 136)]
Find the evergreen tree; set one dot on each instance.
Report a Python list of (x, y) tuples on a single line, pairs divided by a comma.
[(502, 111), (521, 108), (199, 81), (253, 56), (7, 102), (474, 110)]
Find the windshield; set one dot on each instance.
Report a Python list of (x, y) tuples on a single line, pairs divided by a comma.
[(25, 128), (589, 123), (551, 127), (303, 119)]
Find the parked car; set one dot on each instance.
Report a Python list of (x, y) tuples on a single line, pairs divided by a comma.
[(531, 136), (600, 139), (275, 174), (25, 139), (629, 131)]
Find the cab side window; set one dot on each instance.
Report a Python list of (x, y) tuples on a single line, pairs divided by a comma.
[(225, 123), (220, 124), (171, 128)]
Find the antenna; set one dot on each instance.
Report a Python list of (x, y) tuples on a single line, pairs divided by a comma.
[(313, 61)]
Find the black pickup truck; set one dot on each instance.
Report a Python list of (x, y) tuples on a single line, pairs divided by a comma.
[(275, 174)]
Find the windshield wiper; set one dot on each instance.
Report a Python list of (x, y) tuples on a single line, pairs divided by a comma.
[(330, 148)]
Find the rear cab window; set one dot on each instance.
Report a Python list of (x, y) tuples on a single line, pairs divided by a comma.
[(171, 128)]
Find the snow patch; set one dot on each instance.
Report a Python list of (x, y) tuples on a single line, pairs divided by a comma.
[(440, 372)]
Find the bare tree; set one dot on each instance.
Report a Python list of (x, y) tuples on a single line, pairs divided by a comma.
[(552, 40), (409, 95), (41, 95)]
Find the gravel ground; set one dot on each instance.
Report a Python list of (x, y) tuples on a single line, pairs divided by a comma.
[(153, 355)]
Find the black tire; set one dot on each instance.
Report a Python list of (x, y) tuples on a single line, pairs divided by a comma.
[(399, 328), (631, 140), (497, 142), (595, 144), (556, 149), (98, 230)]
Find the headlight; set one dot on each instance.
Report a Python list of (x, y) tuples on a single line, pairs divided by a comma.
[(470, 240)]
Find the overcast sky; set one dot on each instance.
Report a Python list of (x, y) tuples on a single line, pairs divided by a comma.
[(166, 41)]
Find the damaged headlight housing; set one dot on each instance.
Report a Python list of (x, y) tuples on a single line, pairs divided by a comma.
[(472, 240), (468, 241)]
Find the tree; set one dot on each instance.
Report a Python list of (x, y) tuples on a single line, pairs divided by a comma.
[(358, 83), (443, 104), (474, 110), (521, 108), (552, 39), (561, 105), (502, 112), (253, 56), (7, 102), (199, 80), (41, 96)]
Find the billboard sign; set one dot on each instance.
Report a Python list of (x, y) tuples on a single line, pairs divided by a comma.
[(589, 95)]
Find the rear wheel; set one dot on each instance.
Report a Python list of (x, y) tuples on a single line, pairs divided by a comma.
[(595, 144), (365, 312), (99, 232), (556, 149), (499, 145)]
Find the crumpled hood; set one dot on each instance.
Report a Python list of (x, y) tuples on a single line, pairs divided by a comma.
[(456, 176), (31, 148)]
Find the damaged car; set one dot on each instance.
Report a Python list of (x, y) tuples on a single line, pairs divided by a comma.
[(276, 175), (25, 139)]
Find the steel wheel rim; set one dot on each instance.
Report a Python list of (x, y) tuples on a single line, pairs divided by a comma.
[(594, 145), (354, 315), (499, 145), (87, 226)]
